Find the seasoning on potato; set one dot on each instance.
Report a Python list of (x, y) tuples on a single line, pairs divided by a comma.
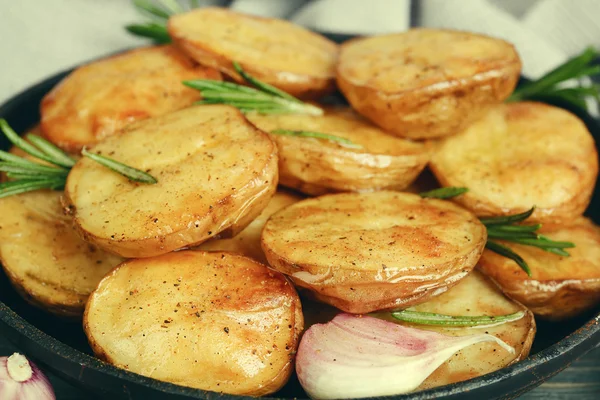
[(45, 260), (363, 252), (99, 98), (426, 83), (521, 155), (216, 172), (559, 287), (208, 320), (374, 160), (287, 56)]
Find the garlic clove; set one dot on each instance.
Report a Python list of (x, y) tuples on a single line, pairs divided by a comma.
[(21, 379), (359, 356)]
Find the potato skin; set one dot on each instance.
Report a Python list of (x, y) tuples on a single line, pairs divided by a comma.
[(287, 56), (98, 99), (560, 287), (426, 83), (521, 155), (363, 252), (216, 172), (45, 260), (317, 167), (220, 321)]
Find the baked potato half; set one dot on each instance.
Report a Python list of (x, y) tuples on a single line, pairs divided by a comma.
[(216, 172), (521, 155), (559, 287), (275, 51), (209, 320), (247, 242), (98, 99), (363, 252), (44, 258), (375, 161), (426, 83)]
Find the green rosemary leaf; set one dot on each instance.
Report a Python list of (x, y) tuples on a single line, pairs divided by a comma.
[(148, 7), (444, 193), (51, 150), (426, 318), (151, 30), (33, 168), (515, 228), (316, 135), (501, 234), (542, 244), (265, 87), (125, 170), (173, 6), (508, 253), (28, 185), (509, 219), (559, 252)]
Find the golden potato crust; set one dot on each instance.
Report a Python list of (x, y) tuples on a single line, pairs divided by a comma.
[(426, 83), (560, 287), (317, 167), (209, 320), (98, 99), (363, 252), (521, 155), (45, 260), (216, 172), (247, 242), (275, 51)]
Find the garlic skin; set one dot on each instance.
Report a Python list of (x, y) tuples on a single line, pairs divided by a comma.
[(21, 379), (356, 356)]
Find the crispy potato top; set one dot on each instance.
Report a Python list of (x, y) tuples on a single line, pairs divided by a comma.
[(212, 167), (422, 58), (99, 98), (273, 44), (394, 234), (213, 321), (520, 155), (341, 122), (43, 255)]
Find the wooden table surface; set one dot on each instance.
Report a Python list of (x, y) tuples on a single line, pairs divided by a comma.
[(581, 381)]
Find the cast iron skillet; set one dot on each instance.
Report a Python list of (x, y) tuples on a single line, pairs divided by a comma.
[(61, 346)]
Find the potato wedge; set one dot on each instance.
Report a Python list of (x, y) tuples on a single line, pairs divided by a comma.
[(98, 99), (426, 83), (209, 320), (363, 252), (216, 172), (559, 287), (316, 166), (521, 155), (45, 260), (247, 242), (275, 51)]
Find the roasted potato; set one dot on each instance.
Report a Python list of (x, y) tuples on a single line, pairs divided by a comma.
[(315, 166), (559, 287), (363, 252), (277, 52), (45, 260), (247, 242), (216, 172), (209, 320), (521, 155), (98, 99), (426, 83)]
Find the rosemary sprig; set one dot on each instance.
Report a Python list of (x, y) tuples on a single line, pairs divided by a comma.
[(262, 98), (28, 175), (548, 87), (444, 193), (317, 135), (426, 318), (157, 13)]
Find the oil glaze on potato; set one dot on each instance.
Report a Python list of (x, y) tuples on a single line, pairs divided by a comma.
[(247, 242), (560, 287), (426, 83), (316, 166), (208, 320), (277, 52), (216, 172), (363, 252), (99, 98), (521, 155), (45, 260)]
